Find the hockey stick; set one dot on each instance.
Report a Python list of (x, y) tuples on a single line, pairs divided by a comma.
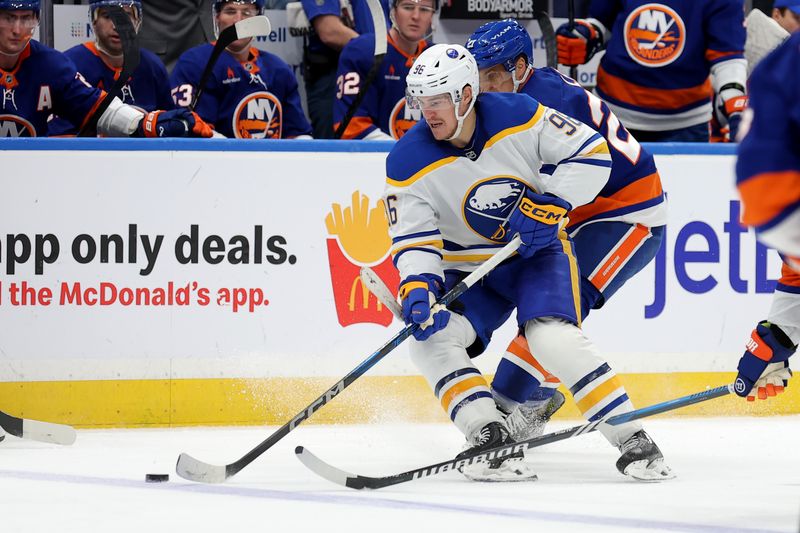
[(130, 61), (249, 27), (195, 470), (573, 70), (358, 482), (379, 23), (377, 287), (549, 38), (25, 428)]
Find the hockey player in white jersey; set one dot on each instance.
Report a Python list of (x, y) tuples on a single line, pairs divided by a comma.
[(459, 184)]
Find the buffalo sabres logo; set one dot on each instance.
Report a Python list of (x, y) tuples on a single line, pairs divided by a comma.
[(14, 126), (654, 35), (489, 202), (258, 116), (402, 119)]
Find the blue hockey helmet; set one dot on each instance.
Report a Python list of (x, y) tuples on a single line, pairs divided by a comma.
[(20, 5), (258, 3), (94, 5), (500, 42)]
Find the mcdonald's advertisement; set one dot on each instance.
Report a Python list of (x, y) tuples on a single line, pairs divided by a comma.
[(190, 264)]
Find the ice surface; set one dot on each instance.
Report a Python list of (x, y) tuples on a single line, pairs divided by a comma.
[(734, 474)]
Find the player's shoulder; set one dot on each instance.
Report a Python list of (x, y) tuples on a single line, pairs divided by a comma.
[(274, 61), (45, 53), (151, 58), (196, 55), (360, 47), (416, 153), (79, 51), (498, 112)]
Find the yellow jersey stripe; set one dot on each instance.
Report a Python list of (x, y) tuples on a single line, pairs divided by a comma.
[(436, 244), (427, 170), (516, 129), (461, 387)]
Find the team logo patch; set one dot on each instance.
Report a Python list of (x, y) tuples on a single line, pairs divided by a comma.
[(452, 53), (654, 35), (403, 119), (258, 116), (14, 126), (489, 202)]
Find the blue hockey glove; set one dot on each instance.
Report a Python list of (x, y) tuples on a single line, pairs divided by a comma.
[(537, 219), (417, 295), (176, 123), (578, 45), (764, 367)]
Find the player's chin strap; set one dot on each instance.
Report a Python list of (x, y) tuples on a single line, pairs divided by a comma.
[(460, 118), (520, 82)]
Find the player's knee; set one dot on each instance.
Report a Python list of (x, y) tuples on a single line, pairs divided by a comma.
[(448, 345)]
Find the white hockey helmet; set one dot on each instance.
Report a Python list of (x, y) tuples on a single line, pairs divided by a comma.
[(443, 69)]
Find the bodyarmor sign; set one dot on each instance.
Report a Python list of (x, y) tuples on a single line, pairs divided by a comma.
[(491, 9)]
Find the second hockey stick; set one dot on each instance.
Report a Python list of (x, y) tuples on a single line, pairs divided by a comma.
[(358, 482), (377, 287), (249, 27), (195, 470), (131, 57), (25, 428)]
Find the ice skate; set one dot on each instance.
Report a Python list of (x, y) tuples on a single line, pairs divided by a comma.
[(528, 419), (642, 460), (509, 468)]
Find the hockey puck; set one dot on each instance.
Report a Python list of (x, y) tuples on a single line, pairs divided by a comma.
[(156, 478)]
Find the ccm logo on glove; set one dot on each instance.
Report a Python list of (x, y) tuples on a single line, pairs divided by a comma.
[(546, 214)]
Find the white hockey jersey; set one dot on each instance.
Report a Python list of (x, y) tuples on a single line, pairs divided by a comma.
[(445, 204)]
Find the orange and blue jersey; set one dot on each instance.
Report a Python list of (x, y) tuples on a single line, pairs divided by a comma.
[(147, 89), (254, 99), (359, 15), (633, 193), (384, 105), (655, 71), (768, 167), (43, 82)]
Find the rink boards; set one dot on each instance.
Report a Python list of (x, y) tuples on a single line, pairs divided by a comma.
[(184, 282)]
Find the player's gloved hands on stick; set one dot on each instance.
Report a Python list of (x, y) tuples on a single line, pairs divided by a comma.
[(537, 218), (417, 295), (576, 46), (764, 367), (175, 123)]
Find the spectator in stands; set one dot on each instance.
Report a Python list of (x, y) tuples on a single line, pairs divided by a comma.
[(100, 62), (655, 72), (332, 28), (37, 81), (172, 27), (383, 114), (251, 93), (787, 14)]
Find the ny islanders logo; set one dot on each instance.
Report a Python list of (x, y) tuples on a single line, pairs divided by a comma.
[(359, 237), (258, 116), (403, 119), (654, 35), (488, 204), (14, 126)]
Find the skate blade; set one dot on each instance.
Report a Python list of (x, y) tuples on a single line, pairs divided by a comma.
[(508, 472), (654, 472)]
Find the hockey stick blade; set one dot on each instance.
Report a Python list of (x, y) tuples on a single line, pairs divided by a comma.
[(25, 428), (131, 57), (358, 482), (377, 287), (194, 470), (245, 28)]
